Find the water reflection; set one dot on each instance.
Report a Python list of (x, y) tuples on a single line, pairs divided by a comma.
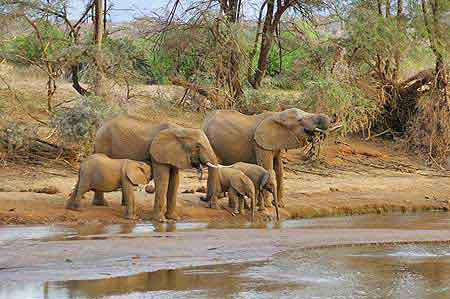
[(391, 272), (208, 282), (95, 231)]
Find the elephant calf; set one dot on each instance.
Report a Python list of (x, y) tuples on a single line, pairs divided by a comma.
[(103, 174), (262, 180), (237, 185)]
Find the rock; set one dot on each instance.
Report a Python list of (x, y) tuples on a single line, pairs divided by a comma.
[(150, 189), (201, 189), (47, 190), (188, 191), (333, 189)]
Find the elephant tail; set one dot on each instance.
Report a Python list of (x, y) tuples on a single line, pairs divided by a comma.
[(75, 188)]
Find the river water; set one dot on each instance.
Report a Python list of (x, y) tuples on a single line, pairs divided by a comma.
[(364, 271)]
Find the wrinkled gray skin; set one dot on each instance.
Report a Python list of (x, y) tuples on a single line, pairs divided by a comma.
[(167, 148), (237, 185), (100, 173), (258, 139)]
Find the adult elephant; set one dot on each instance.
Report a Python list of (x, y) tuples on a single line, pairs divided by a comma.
[(259, 139), (168, 148)]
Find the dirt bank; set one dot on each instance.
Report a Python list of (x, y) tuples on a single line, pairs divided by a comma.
[(352, 177)]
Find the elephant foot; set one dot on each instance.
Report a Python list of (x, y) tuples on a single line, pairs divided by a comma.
[(262, 210), (160, 219), (204, 199), (74, 206), (172, 216), (281, 203), (131, 217), (100, 202)]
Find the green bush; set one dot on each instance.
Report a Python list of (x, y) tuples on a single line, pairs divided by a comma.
[(343, 101)]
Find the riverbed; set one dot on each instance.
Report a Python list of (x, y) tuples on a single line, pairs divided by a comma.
[(370, 256)]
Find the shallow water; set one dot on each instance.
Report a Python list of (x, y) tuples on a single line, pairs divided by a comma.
[(406, 271), (431, 220), (394, 271)]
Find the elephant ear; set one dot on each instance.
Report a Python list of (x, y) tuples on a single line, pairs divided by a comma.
[(274, 133), (167, 148), (136, 173), (242, 184)]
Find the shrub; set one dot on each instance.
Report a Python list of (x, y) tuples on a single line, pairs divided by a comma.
[(259, 100), (78, 124), (343, 101)]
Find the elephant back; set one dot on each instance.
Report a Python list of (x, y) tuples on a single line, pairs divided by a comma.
[(253, 171), (125, 137), (230, 134)]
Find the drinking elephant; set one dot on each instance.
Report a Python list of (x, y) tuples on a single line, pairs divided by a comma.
[(237, 185), (100, 173), (260, 138), (168, 148), (262, 179)]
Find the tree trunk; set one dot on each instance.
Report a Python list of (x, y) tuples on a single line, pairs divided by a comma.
[(75, 80), (98, 36), (396, 71), (266, 44)]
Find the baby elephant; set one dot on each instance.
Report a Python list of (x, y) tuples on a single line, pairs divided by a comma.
[(264, 181), (101, 173), (237, 185)]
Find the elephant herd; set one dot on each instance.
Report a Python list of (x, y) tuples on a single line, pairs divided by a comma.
[(129, 152)]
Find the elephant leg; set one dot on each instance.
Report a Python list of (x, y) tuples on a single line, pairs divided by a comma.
[(278, 167), (99, 199), (233, 198), (247, 206), (128, 197), (212, 187), (264, 159), (241, 199), (174, 182), (161, 178), (124, 198)]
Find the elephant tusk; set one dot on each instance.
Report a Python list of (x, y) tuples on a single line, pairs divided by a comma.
[(335, 128), (319, 130), (211, 165), (217, 166)]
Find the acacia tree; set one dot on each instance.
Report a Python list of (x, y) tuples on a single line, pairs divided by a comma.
[(46, 12)]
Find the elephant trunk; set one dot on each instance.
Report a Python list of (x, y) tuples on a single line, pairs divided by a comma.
[(275, 199), (263, 180), (200, 172), (213, 185)]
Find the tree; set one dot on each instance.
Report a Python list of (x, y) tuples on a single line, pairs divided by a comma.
[(274, 11), (98, 38)]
